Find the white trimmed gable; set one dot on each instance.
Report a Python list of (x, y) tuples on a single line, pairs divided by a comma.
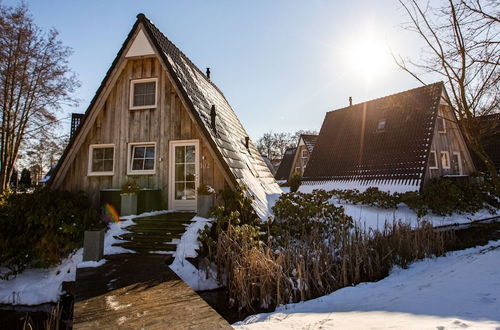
[(140, 46)]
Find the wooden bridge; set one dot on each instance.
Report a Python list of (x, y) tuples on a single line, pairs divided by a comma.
[(138, 290)]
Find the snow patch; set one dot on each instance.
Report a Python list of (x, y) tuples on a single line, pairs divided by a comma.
[(458, 290), (89, 264), (186, 248)]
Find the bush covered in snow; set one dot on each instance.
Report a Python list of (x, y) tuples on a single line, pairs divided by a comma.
[(442, 197), (39, 229)]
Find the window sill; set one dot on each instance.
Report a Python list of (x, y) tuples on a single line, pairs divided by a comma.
[(144, 107), (100, 173), (141, 172)]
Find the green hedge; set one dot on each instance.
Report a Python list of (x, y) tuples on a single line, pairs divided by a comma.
[(39, 229)]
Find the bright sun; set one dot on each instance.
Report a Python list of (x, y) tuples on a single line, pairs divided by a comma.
[(367, 57)]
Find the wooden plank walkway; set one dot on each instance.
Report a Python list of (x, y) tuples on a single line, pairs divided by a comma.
[(139, 291)]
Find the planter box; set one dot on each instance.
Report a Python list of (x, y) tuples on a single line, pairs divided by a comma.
[(93, 245), (205, 202), (128, 204)]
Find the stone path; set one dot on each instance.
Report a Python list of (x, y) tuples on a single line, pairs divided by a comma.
[(139, 291)]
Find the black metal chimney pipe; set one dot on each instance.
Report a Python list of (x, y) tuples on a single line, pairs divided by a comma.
[(208, 73), (350, 101)]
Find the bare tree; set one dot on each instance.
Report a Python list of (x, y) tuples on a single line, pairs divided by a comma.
[(462, 45), (273, 145), (34, 81)]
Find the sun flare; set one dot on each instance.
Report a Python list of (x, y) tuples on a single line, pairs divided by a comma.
[(366, 57)]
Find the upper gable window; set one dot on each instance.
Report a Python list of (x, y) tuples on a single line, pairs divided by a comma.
[(381, 125), (304, 153), (143, 93), (441, 122)]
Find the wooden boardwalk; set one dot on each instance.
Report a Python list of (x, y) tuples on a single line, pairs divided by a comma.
[(139, 291)]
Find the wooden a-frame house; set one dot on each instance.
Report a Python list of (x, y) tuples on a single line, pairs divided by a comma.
[(157, 119), (396, 143)]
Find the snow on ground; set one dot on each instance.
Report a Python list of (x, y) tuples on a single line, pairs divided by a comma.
[(42, 285), (373, 217), (186, 248), (456, 291)]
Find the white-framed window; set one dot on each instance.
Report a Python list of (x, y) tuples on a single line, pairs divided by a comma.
[(456, 163), (297, 169), (101, 159), (445, 159), (143, 93), (304, 153), (381, 125), (441, 122), (433, 163), (141, 158)]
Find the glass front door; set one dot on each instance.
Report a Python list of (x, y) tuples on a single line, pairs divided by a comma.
[(183, 175)]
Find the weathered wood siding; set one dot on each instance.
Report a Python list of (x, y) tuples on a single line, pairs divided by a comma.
[(298, 161), (451, 141), (120, 126)]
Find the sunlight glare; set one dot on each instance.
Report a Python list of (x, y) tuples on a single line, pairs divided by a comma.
[(366, 57)]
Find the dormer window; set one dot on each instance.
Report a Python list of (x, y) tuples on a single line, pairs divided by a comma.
[(381, 125), (143, 93)]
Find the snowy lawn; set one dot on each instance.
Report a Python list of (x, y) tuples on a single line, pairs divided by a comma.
[(186, 248), (456, 291), (37, 286), (374, 218)]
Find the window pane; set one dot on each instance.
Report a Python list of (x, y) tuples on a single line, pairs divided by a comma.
[(179, 191), (179, 172), (190, 191), (190, 172), (440, 125), (444, 160), (97, 165), (137, 164), (179, 154), (149, 99), (108, 153), (149, 164), (139, 152), (150, 152), (432, 160), (190, 154), (108, 165), (97, 153), (455, 163)]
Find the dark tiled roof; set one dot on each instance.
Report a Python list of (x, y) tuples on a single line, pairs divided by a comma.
[(351, 147), (490, 137), (285, 167), (309, 141)]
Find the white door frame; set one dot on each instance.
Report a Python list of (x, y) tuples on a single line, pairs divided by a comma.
[(188, 205)]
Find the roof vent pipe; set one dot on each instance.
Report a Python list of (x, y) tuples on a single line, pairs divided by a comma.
[(208, 73), (247, 141), (213, 115), (350, 101)]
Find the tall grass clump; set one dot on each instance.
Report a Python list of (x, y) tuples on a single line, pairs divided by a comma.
[(309, 249)]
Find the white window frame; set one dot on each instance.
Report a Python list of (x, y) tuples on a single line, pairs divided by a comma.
[(131, 99), (130, 149), (302, 153), (102, 146), (447, 153), (435, 160), (297, 169), (441, 117), (460, 169)]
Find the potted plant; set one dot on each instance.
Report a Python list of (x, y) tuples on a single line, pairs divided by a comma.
[(205, 199), (129, 192)]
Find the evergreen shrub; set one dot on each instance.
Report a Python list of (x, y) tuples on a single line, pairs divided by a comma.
[(39, 229)]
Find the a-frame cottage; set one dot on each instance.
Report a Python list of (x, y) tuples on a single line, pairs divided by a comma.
[(157, 119), (283, 172), (305, 147), (397, 143)]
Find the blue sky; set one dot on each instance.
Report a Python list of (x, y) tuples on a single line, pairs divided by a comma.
[(281, 64)]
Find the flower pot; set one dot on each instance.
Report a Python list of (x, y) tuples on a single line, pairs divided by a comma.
[(129, 204), (205, 202)]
